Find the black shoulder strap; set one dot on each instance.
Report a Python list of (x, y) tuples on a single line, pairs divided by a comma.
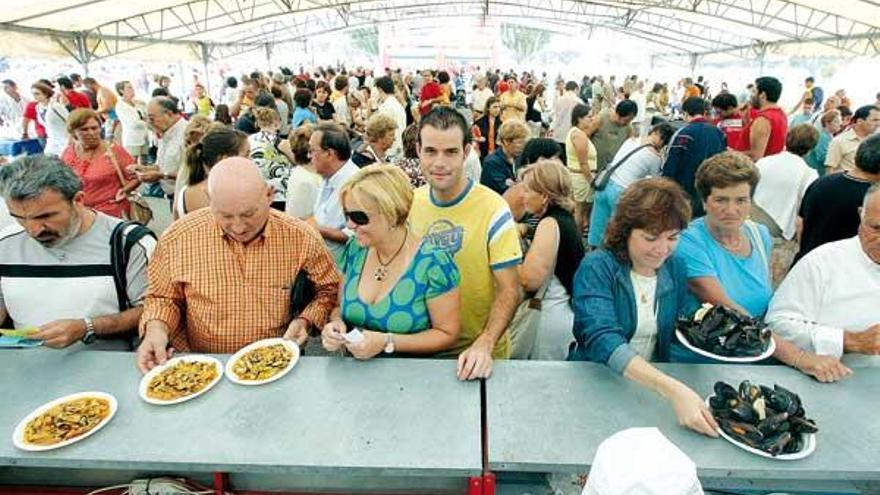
[(124, 237), (605, 175)]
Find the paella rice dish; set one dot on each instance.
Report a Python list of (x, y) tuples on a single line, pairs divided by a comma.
[(66, 421), (263, 363), (183, 379)]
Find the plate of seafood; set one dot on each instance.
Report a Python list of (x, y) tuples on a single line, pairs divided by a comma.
[(262, 362), (180, 379), (769, 422), (64, 421), (722, 334)]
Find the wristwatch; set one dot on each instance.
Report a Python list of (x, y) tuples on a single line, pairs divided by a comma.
[(90, 335), (389, 343)]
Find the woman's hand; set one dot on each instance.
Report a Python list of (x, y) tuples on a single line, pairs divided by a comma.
[(372, 344), (333, 335), (692, 411)]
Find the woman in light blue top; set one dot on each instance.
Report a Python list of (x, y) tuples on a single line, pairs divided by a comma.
[(727, 256), (399, 290), (829, 125)]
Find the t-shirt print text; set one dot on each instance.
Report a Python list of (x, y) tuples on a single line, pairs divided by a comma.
[(446, 235)]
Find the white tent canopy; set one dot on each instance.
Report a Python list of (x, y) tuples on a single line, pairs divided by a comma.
[(91, 30)]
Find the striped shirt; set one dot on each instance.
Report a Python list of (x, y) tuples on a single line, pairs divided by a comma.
[(218, 295)]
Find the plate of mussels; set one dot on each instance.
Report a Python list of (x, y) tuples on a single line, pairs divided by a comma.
[(722, 334), (769, 422)]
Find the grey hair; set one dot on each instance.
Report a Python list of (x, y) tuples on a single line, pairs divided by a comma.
[(875, 187), (166, 103), (29, 176)]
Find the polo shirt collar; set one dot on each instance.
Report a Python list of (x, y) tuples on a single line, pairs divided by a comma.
[(340, 176)]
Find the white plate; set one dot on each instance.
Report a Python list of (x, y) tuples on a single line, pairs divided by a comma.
[(291, 345), (764, 355), (809, 445), (145, 381), (18, 433)]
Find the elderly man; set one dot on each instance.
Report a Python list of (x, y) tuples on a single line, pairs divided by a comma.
[(165, 119), (56, 268), (223, 275), (330, 152), (828, 302)]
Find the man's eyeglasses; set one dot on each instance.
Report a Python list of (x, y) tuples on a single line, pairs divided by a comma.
[(357, 217)]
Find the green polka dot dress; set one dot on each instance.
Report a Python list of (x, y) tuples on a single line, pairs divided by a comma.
[(431, 273)]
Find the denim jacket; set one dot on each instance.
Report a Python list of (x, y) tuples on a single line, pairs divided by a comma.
[(605, 314)]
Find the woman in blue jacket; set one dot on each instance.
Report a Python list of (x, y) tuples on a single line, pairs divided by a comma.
[(629, 293)]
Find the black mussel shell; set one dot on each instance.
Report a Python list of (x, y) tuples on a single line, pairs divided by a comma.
[(775, 444), (725, 390)]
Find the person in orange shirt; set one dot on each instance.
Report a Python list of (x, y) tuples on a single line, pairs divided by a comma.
[(224, 274)]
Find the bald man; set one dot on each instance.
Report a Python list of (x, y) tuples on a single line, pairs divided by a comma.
[(222, 276)]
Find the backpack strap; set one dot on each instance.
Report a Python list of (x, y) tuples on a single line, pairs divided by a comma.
[(124, 237)]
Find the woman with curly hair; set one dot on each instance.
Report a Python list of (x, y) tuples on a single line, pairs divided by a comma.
[(629, 293)]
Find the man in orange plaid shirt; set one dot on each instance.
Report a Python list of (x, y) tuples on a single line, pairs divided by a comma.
[(222, 276)]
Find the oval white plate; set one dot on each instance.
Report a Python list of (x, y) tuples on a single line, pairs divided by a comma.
[(145, 381), (18, 433), (291, 345), (809, 445), (764, 355)]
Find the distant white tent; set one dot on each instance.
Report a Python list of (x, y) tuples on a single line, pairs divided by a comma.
[(90, 30)]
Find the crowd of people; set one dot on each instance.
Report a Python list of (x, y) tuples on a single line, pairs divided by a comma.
[(436, 218)]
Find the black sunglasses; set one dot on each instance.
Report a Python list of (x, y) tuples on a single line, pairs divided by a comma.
[(357, 217)]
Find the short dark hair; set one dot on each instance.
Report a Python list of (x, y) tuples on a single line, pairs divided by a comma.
[(626, 108), (443, 118), (231, 82), (844, 111), (656, 205), (725, 101), (665, 130), (385, 84), (442, 77), (75, 77), (166, 103), (64, 82), (694, 106), (578, 112), (537, 148), (340, 83), (868, 155), (9, 82), (770, 86), (265, 99), (810, 79), (302, 97), (863, 112), (160, 92), (334, 137), (571, 86)]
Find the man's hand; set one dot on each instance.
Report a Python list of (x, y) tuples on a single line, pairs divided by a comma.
[(298, 331), (865, 342), (153, 350), (826, 369), (59, 334), (476, 361)]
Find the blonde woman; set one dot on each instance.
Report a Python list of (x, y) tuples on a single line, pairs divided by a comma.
[(379, 137), (400, 291), (554, 255)]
